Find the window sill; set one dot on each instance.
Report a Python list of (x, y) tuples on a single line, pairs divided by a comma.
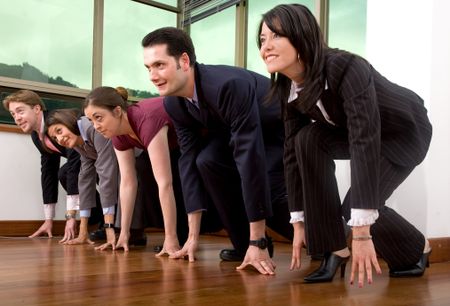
[(10, 128)]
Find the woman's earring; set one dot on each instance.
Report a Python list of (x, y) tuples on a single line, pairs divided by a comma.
[(298, 57)]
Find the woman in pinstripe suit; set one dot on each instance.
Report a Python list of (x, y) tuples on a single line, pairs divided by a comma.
[(337, 106)]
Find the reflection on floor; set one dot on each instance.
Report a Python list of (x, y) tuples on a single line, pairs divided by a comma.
[(43, 272)]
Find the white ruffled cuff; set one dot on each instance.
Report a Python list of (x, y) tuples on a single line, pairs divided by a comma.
[(73, 202), (362, 217), (297, 216), (49, 211)]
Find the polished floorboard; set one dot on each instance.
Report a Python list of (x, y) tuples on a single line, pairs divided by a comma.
[(43, 272)]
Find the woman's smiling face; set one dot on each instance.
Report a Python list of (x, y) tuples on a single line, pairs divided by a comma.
[(63, 136), (279, 54)]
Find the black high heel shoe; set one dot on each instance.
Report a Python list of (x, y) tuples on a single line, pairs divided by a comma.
[(414, 271), (325, 273)]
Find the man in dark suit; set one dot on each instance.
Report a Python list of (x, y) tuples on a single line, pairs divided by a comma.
[(231, 146), (27, 109)]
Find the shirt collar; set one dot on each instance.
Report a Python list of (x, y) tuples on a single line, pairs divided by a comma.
[(82, 131), (295, 89), (194, 99), (293, 94), (195, 96)]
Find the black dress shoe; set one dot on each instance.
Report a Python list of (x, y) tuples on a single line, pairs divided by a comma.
[(99, 234), (231, 255), (234, 255), (137, 238), (414, 271), (328, 267), (157, 248)]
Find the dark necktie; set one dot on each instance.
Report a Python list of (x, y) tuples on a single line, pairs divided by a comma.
[(193, 108)]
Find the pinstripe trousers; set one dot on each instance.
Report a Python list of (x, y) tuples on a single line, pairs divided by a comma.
[(317, 145)]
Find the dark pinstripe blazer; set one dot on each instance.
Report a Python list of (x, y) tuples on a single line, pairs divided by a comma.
[(379, 117), (50, 167)]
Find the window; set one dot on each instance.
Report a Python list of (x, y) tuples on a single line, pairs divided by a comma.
[(169, 2), (125, 24), (213, 37), (347, 25), (47, 41)]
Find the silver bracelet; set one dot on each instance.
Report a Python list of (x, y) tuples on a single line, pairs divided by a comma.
[(362, 238)]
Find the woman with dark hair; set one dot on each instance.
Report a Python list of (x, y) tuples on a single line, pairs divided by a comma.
[(143, 125), (337, 106), (97, 160)]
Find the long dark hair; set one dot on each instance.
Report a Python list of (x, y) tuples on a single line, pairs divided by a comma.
[(298, 24), (66, 117)]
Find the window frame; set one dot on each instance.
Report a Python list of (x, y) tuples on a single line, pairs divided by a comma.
[(65, 92)]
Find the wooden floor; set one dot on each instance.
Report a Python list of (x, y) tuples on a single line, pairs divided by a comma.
[(42, 272)]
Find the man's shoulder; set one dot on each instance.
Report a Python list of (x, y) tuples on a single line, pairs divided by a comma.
[(212, 80), (213, 73), (172, 100), (37, 142), (174, 106), (34, 135)]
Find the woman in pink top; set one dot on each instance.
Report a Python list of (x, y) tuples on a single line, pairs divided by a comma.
[(144, 125)]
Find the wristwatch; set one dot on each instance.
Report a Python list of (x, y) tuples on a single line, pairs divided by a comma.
[(260, 243), (70, 216)]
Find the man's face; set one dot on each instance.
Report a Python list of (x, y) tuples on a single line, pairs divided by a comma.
[(168, 74), (25, 116)]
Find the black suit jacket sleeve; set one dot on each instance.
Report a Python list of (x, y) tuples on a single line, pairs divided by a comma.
[(238, 106), (74, 164), (49, 172), (50, 168), (382, 119), (293, 122), (189, 139), (49, 177), (359, 98)]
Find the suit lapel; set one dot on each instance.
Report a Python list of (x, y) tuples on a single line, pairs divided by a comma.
[(334, 107), (207, 115)]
